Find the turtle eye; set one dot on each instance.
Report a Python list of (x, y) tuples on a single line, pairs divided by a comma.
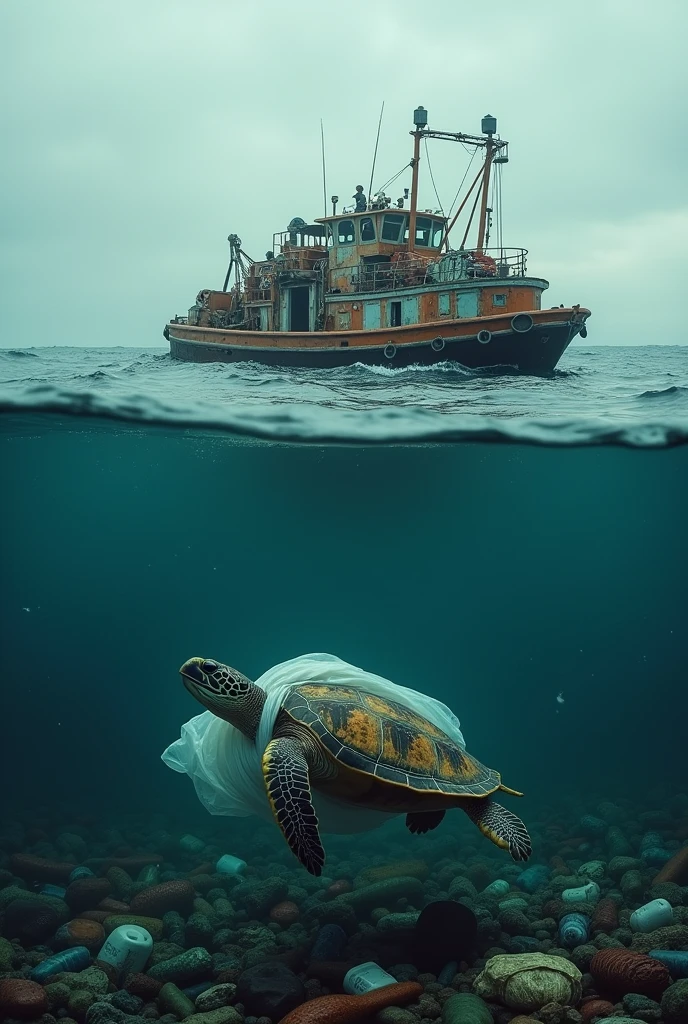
[(209, 667)]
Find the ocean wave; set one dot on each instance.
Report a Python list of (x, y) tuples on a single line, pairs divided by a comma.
[(674, 389), (289, 421)]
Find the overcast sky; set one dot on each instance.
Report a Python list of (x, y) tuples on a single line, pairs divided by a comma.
[(136, 134)]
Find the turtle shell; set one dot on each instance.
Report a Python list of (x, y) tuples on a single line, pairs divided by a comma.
[(379, 737)]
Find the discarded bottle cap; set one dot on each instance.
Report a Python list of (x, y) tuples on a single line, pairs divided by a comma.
[(365, 978), (229, 865), (53, 890), (191, 844), (127, 949), (655, 914)]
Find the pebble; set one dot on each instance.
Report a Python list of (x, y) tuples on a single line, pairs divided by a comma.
[(23, 999), (188, 966), (675, 1003), (216, 997)]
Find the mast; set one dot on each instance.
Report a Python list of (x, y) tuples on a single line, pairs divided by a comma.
[(496, 151), (489, 127), (420, 119)]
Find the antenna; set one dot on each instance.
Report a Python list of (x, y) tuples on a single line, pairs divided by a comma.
[(372, 169), (322, 148)]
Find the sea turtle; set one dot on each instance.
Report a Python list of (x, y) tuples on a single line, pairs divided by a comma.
[(360, 748)]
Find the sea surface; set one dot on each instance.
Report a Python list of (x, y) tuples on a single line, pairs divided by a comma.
[(514, 546)]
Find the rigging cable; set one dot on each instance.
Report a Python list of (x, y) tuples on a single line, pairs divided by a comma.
[(432, 177), (377, 141), (393, 178), (462, 182)]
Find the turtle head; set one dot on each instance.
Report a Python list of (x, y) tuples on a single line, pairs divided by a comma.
[(225, 692)]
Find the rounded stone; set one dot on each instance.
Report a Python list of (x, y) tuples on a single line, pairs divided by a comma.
[(23, 999), (215, 997), (86, 893), (675, 1003), (177, 894), (642, 1007), (192, 965), (80, 932), (270, 990), (29, 921)]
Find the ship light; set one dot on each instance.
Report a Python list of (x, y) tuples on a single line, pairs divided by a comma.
[(488, 125), (420, 117)]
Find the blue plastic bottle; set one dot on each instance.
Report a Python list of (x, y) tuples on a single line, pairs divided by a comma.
[(574, 930), (75, 959), (675, 959)]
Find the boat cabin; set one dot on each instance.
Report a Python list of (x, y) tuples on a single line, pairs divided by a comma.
[(380, 267)]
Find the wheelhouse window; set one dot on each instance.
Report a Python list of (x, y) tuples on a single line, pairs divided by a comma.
[(437, 233), (367, 229), (346, 234), (499, 300), (391, 227), (423, 230)]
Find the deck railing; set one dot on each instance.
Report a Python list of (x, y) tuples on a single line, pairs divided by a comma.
[(413, 269)]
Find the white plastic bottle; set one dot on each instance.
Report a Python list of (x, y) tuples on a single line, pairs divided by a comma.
[(229, 865), (127, 948), (366, 977), (655, 914)]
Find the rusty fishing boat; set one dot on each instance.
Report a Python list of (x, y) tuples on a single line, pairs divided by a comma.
[(379, 283)]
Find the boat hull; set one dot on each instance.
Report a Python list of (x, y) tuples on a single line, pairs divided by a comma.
[(483, 342)]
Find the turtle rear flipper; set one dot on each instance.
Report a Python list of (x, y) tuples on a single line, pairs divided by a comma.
[(285, 770), (500, 826), (423, 821)]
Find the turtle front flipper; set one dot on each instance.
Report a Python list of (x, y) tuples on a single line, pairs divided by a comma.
[(500, 826), (420, 822), (285, 770)]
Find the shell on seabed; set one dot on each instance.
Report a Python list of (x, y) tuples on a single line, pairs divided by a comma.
[(528, 981)]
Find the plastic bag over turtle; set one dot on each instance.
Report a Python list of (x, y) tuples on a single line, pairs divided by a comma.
[(225, 766)]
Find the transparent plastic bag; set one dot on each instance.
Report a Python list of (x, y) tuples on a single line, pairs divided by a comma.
[(225, 766)]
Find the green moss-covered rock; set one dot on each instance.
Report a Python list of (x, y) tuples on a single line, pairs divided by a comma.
[(171, 999), (79, 1001), (256, 898), (618, 866), (528, 981), (58, 994), (397, 922), (92, 979), (223, 1015), (642, 1007), (14, 892), (165, 951), (674, 936), (199, 931), (6, 955), (675, 1003), (192, 965), (216, 997), (465, 1008), (382, 894), (122, 883)]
